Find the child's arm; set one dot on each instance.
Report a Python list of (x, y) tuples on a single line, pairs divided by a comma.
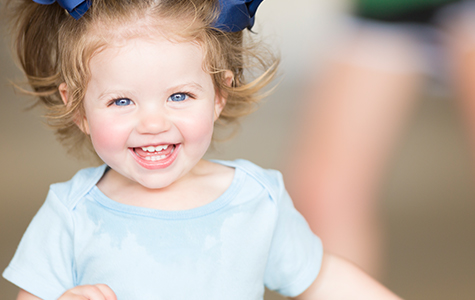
[(339, 279), (24, 295), (86, 292)]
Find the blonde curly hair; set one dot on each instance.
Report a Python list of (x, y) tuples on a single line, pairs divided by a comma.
[(53, 48)]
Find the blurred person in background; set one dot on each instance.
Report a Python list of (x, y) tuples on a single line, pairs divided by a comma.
[(356, 108)]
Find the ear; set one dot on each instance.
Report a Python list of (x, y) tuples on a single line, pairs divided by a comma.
[(63, 91), (81, 122), (220, 101)]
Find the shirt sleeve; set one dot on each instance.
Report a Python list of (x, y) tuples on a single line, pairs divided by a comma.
[(43, 262), (296, 253)]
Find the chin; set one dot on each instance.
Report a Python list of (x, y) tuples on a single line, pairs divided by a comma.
[(155, 184)]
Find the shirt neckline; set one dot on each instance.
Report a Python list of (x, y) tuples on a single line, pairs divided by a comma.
[(209, 208)]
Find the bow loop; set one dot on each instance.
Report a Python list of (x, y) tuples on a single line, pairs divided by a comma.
[(76, 8), (236, 15)]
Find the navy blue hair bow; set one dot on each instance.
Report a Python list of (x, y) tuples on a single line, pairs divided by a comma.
[(76, 8), (235, 15)]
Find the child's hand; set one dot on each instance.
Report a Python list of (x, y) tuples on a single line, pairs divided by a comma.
[(89, 292)]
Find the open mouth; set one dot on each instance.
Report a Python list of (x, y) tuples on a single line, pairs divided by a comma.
[(155, 156), (155, 153)]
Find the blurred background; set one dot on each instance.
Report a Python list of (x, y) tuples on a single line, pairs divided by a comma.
[(425, 198)]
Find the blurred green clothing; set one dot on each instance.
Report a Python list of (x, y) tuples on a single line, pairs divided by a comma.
[(394, 9)]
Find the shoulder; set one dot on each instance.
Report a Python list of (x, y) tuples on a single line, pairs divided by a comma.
[(269, 179), (71, 191)]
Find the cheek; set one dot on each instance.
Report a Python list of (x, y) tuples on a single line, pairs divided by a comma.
[(198, 130), (107, 136)]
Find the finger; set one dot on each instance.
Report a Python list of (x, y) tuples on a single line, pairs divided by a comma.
[(107, 292), (70, 296), (84, 292)]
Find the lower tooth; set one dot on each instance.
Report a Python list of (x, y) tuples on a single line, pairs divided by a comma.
[(154, 158)]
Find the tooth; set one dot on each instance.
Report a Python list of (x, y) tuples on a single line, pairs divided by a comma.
[(144, 148)]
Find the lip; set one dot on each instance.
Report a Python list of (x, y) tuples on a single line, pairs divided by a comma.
[(159, 164)]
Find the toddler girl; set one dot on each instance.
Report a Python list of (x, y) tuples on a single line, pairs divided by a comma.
[(144, 82)]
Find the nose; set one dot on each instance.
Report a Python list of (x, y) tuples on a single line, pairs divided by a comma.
[(153, 121)]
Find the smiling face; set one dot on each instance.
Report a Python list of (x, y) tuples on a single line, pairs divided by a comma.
[(150, 109)]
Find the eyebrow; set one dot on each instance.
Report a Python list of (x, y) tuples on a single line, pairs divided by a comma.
[(188, 84), (116, 93)]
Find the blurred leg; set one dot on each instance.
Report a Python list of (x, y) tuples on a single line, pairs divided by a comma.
[(348, 128), (460, 41)]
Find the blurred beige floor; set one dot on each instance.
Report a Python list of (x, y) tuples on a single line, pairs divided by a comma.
[(428, 200)]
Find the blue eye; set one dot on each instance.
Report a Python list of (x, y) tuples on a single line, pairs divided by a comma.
[(122, 102), (178, 97)]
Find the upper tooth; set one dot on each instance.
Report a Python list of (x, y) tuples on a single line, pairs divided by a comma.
[(153, 149), (149, 149)]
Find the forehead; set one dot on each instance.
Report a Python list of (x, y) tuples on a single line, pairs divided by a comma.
[(148, 61), (156, 48)]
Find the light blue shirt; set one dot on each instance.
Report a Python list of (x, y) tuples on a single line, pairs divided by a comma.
[(248, 238)]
